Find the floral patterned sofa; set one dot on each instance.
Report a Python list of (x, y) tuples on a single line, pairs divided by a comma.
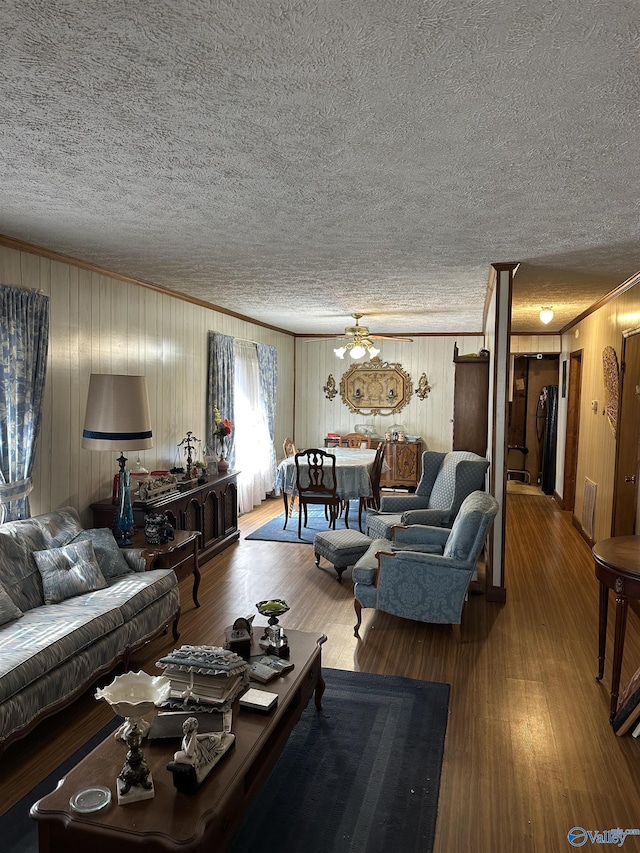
[(72, 606)]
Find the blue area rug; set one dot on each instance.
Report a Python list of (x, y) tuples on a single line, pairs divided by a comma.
[(272, 531), (360, 776)]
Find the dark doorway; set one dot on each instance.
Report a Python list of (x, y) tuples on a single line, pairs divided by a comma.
[(531, 373), (573, 432)]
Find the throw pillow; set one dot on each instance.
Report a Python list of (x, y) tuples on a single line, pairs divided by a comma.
[(18, 572), (8, 610), (68, 571), (109, 556)]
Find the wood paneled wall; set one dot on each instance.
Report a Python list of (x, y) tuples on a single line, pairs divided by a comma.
[(597, 444), (535, 343), (430, 418), (103, 325)]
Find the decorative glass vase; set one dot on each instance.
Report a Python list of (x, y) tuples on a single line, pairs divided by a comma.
[(223, 464), (124, 513)]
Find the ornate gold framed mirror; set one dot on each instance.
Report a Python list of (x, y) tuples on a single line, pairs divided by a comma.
[(376, 388)]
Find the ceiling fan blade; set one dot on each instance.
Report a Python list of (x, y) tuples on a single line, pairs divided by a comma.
[(391, 338)]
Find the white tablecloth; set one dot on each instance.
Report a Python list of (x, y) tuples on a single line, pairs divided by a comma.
[(352, 472)]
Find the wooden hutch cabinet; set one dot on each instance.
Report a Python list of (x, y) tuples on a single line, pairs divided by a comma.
[(470, 402), (403, 464), (211, 509)]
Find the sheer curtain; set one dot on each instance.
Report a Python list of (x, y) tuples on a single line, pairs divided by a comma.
[(253, 445), (268, 366)]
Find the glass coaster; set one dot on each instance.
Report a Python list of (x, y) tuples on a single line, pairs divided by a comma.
[(91, 799)]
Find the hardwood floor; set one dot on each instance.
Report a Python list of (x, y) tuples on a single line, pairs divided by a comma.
[(529, 752)]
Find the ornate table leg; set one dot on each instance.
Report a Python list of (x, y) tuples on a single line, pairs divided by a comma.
[(196, 581), (320, 685), (285, 500), (602, 628)]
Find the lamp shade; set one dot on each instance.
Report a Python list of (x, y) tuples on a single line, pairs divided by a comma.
[(546, 315), (117, 416)]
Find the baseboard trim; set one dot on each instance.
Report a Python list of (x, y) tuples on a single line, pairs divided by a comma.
[(559, 500), (576, 523)]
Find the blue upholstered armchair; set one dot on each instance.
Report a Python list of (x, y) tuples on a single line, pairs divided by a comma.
[(428, 584), (447, 479)]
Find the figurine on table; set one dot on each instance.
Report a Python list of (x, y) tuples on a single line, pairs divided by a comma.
[(198, 755)]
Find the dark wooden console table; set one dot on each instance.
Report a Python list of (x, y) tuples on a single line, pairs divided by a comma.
[(617, 566), (210, 509)]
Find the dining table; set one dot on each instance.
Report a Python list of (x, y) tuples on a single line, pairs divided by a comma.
[(353, 466)]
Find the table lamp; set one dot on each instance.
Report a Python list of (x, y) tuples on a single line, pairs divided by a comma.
[(117, 419)]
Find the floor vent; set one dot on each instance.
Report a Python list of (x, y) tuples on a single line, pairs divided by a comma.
[(588, 506)]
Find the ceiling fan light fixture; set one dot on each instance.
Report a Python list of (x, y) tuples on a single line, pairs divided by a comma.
[(546, 315), (357, 348), (361, 341)]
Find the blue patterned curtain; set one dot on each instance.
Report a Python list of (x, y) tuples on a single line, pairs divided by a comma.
[(220, 388), (24, 343), (268, 367)]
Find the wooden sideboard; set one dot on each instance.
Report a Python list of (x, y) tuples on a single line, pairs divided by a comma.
[(403, 461), (211, 509), (403, 464)]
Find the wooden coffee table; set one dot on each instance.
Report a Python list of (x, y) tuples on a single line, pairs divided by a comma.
[(173, 821)]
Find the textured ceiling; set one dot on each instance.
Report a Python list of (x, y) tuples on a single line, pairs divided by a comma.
[(299, 161)]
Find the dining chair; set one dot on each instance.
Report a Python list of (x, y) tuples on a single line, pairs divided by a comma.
[(316, 484), (289, 449), (355, 439), (372, 501)]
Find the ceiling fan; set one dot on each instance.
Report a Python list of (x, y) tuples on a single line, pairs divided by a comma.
[(362, 340)]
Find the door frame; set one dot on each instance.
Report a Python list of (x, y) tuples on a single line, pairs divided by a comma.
[(628, 333), (572, 431)]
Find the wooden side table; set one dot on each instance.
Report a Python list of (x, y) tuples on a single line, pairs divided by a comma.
[(181, 555), (617, 567)]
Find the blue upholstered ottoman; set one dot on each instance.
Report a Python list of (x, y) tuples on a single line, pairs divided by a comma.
[(343, 548)]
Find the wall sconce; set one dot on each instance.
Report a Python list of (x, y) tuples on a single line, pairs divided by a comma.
[(329, 389), (546, 315), (117, 418)]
